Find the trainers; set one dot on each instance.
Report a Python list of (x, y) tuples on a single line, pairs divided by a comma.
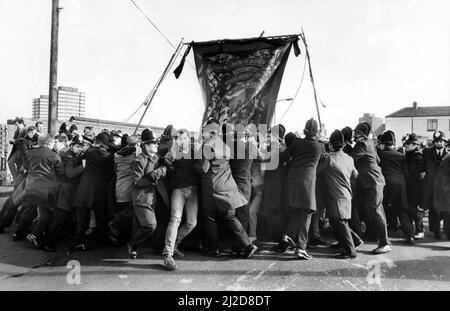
[(169, 263), (132, 252), (358, 246), (33, 239), (177, 254), (419, 235), (302, 254), (250, 250), (382, 249)]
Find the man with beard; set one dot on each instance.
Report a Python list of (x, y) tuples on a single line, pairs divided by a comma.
[(432, 158)]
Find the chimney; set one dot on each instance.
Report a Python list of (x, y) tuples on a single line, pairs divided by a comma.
[(415, 105)]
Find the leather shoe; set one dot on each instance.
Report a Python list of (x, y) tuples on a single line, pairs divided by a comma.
[(345, 256)]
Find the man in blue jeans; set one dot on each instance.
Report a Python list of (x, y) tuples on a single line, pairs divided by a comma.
[(184, 180)]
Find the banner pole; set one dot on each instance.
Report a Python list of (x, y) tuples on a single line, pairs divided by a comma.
[(302, 35), (155, 88)]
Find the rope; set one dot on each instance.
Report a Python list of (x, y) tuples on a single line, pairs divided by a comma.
[(156, 27), (296, 93)]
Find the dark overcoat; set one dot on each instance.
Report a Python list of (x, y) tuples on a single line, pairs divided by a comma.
[(393, 166), (96, 176), (240, 166), (441, 189), (73, 169), (44, 166), (274, 177), (431, 163), (414, 178), (300, 183)]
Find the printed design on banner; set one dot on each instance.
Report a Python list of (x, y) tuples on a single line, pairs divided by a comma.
[(240, 79), (233, 80)]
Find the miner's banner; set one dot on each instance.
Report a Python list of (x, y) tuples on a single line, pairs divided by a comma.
[(240, 79)]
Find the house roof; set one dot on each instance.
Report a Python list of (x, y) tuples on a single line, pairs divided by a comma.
[(91, 120), (437, 111)]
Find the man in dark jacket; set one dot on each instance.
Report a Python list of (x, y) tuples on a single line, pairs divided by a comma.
[(414, 183), (14, 159), (73, 170), (432, 158), (300, 188), (92, 190), (44, 166), (370, 184), (146, 171), (393, 166)]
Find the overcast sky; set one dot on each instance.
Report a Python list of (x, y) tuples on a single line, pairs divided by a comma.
[(367, 56)]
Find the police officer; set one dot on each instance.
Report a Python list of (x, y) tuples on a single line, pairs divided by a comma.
[(393, 166), (370, 184), (339, 172), (300, 188), (414, 182), (432, 158)]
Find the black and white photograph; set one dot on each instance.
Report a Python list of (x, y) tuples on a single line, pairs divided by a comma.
[(222, 151)]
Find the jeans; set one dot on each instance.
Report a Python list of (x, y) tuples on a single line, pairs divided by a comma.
[(14, 160), (298, 226), (183, 199)]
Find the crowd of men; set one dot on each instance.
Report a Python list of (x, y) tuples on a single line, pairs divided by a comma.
[(233, 183)]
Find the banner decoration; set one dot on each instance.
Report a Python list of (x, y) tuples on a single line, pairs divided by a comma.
[(240, 79)]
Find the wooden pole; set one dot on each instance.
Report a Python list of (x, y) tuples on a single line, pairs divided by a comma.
[(155, 88), (53, 88), (302, 35)]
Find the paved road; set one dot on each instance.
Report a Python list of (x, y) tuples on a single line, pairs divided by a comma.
[(421, 267)]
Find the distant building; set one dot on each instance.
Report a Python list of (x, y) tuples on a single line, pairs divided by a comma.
[(423, 121), (376, 123), (40, 107), (70, 101)]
